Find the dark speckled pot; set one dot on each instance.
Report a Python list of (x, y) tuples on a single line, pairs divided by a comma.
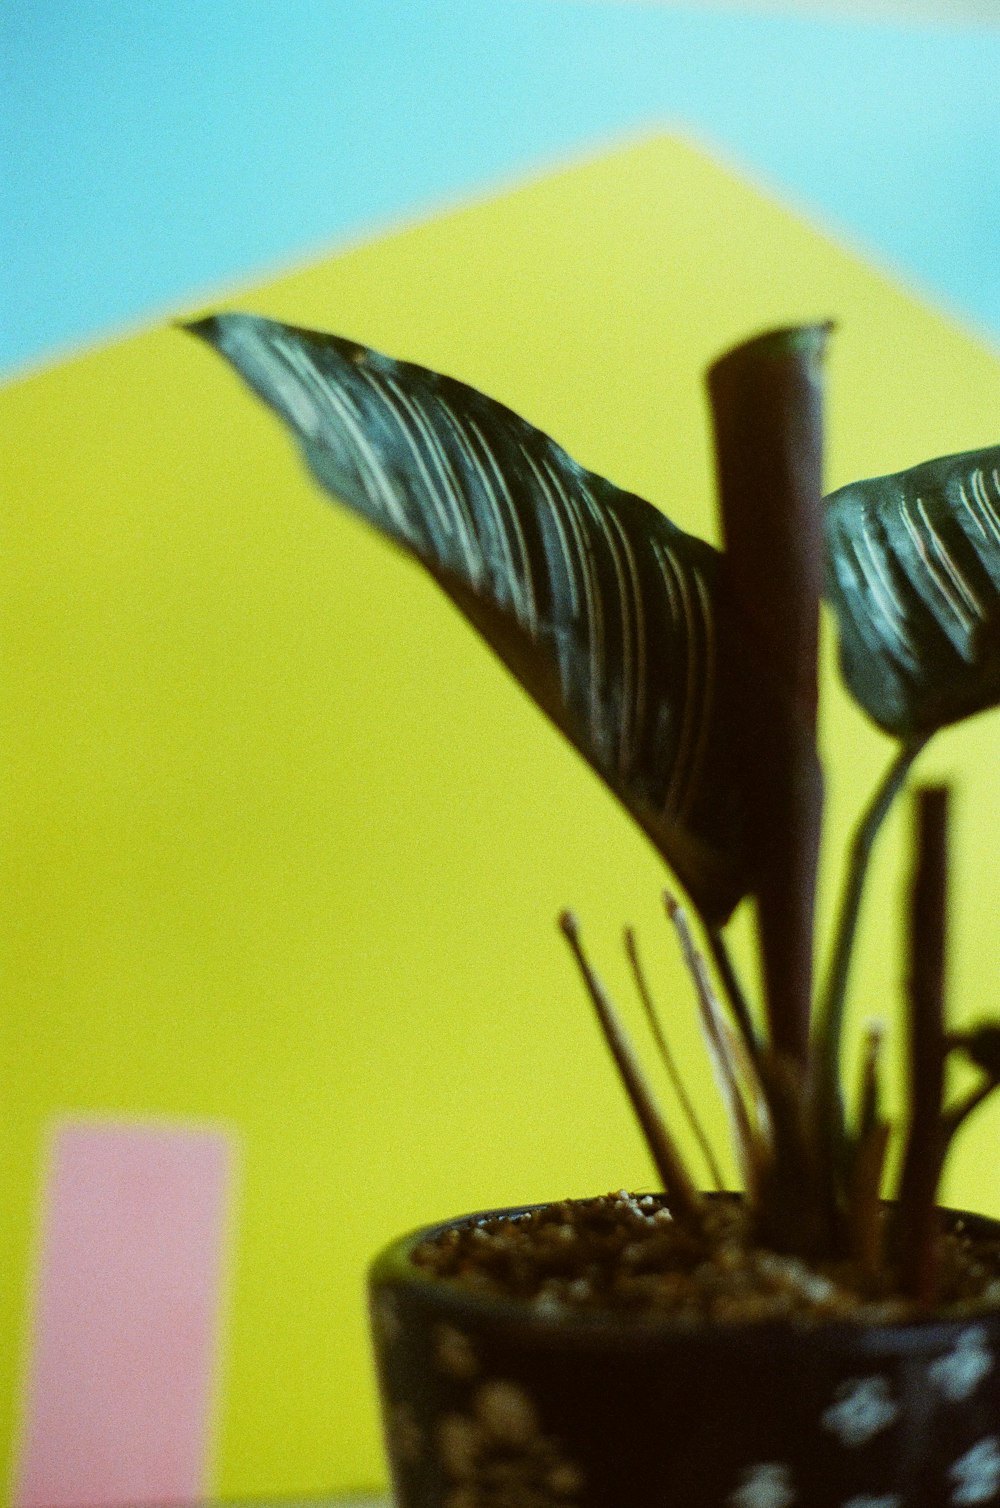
[(488, 1404)]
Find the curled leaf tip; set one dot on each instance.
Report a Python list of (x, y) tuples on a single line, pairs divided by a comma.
[(204, 327)]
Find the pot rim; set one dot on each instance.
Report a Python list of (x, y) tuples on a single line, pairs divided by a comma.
[(392, 1267)]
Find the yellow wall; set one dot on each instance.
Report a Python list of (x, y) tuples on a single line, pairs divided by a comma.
[(285, 846)]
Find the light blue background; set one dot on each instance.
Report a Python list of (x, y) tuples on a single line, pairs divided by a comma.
[(155, 152)]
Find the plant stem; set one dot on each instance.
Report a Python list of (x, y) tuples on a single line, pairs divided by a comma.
[(864, 1196), (733, 989), (870, 1089), (918, 1220), (767, 409), (982, 1045), (669, 1164), (669, 1062), (830, 1026), (955, 1118), (869, 1147), (728, 1056)]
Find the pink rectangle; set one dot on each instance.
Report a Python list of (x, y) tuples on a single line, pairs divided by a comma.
[(123, 1360)]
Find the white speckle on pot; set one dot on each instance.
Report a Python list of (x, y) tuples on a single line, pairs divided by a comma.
[(500, 1459), (887, 1500), (564, 1480), (458, 1443), (767, 1485), (864, 1408), (977, 1474), (960, 1372), (507, 1413), (789, 1271), (817, 1289), (453, 1352)]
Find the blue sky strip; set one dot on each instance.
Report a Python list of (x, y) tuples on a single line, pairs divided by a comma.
[(151, 153)]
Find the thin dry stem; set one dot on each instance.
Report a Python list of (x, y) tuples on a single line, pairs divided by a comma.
[(870, 1091), (865, 1196), (747, 1063), (726, 1052), (734, 992), (669, 1061), (868, 1156), (666, 1157)]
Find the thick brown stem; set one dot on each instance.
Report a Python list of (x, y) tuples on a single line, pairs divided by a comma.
[(766, 403), (925, 1143)]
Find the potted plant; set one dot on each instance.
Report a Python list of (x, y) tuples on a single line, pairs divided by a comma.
[(803, 1342)]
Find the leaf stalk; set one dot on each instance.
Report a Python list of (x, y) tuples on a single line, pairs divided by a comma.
[(830, 1025)]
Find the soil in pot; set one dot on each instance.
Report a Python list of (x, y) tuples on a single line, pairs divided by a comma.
[(592, 1354), (625, 1253)]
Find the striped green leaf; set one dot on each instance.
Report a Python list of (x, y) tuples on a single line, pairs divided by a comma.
[(913, 574), (607, 613)]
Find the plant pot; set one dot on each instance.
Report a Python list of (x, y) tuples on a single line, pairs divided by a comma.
[(489, 1403)]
